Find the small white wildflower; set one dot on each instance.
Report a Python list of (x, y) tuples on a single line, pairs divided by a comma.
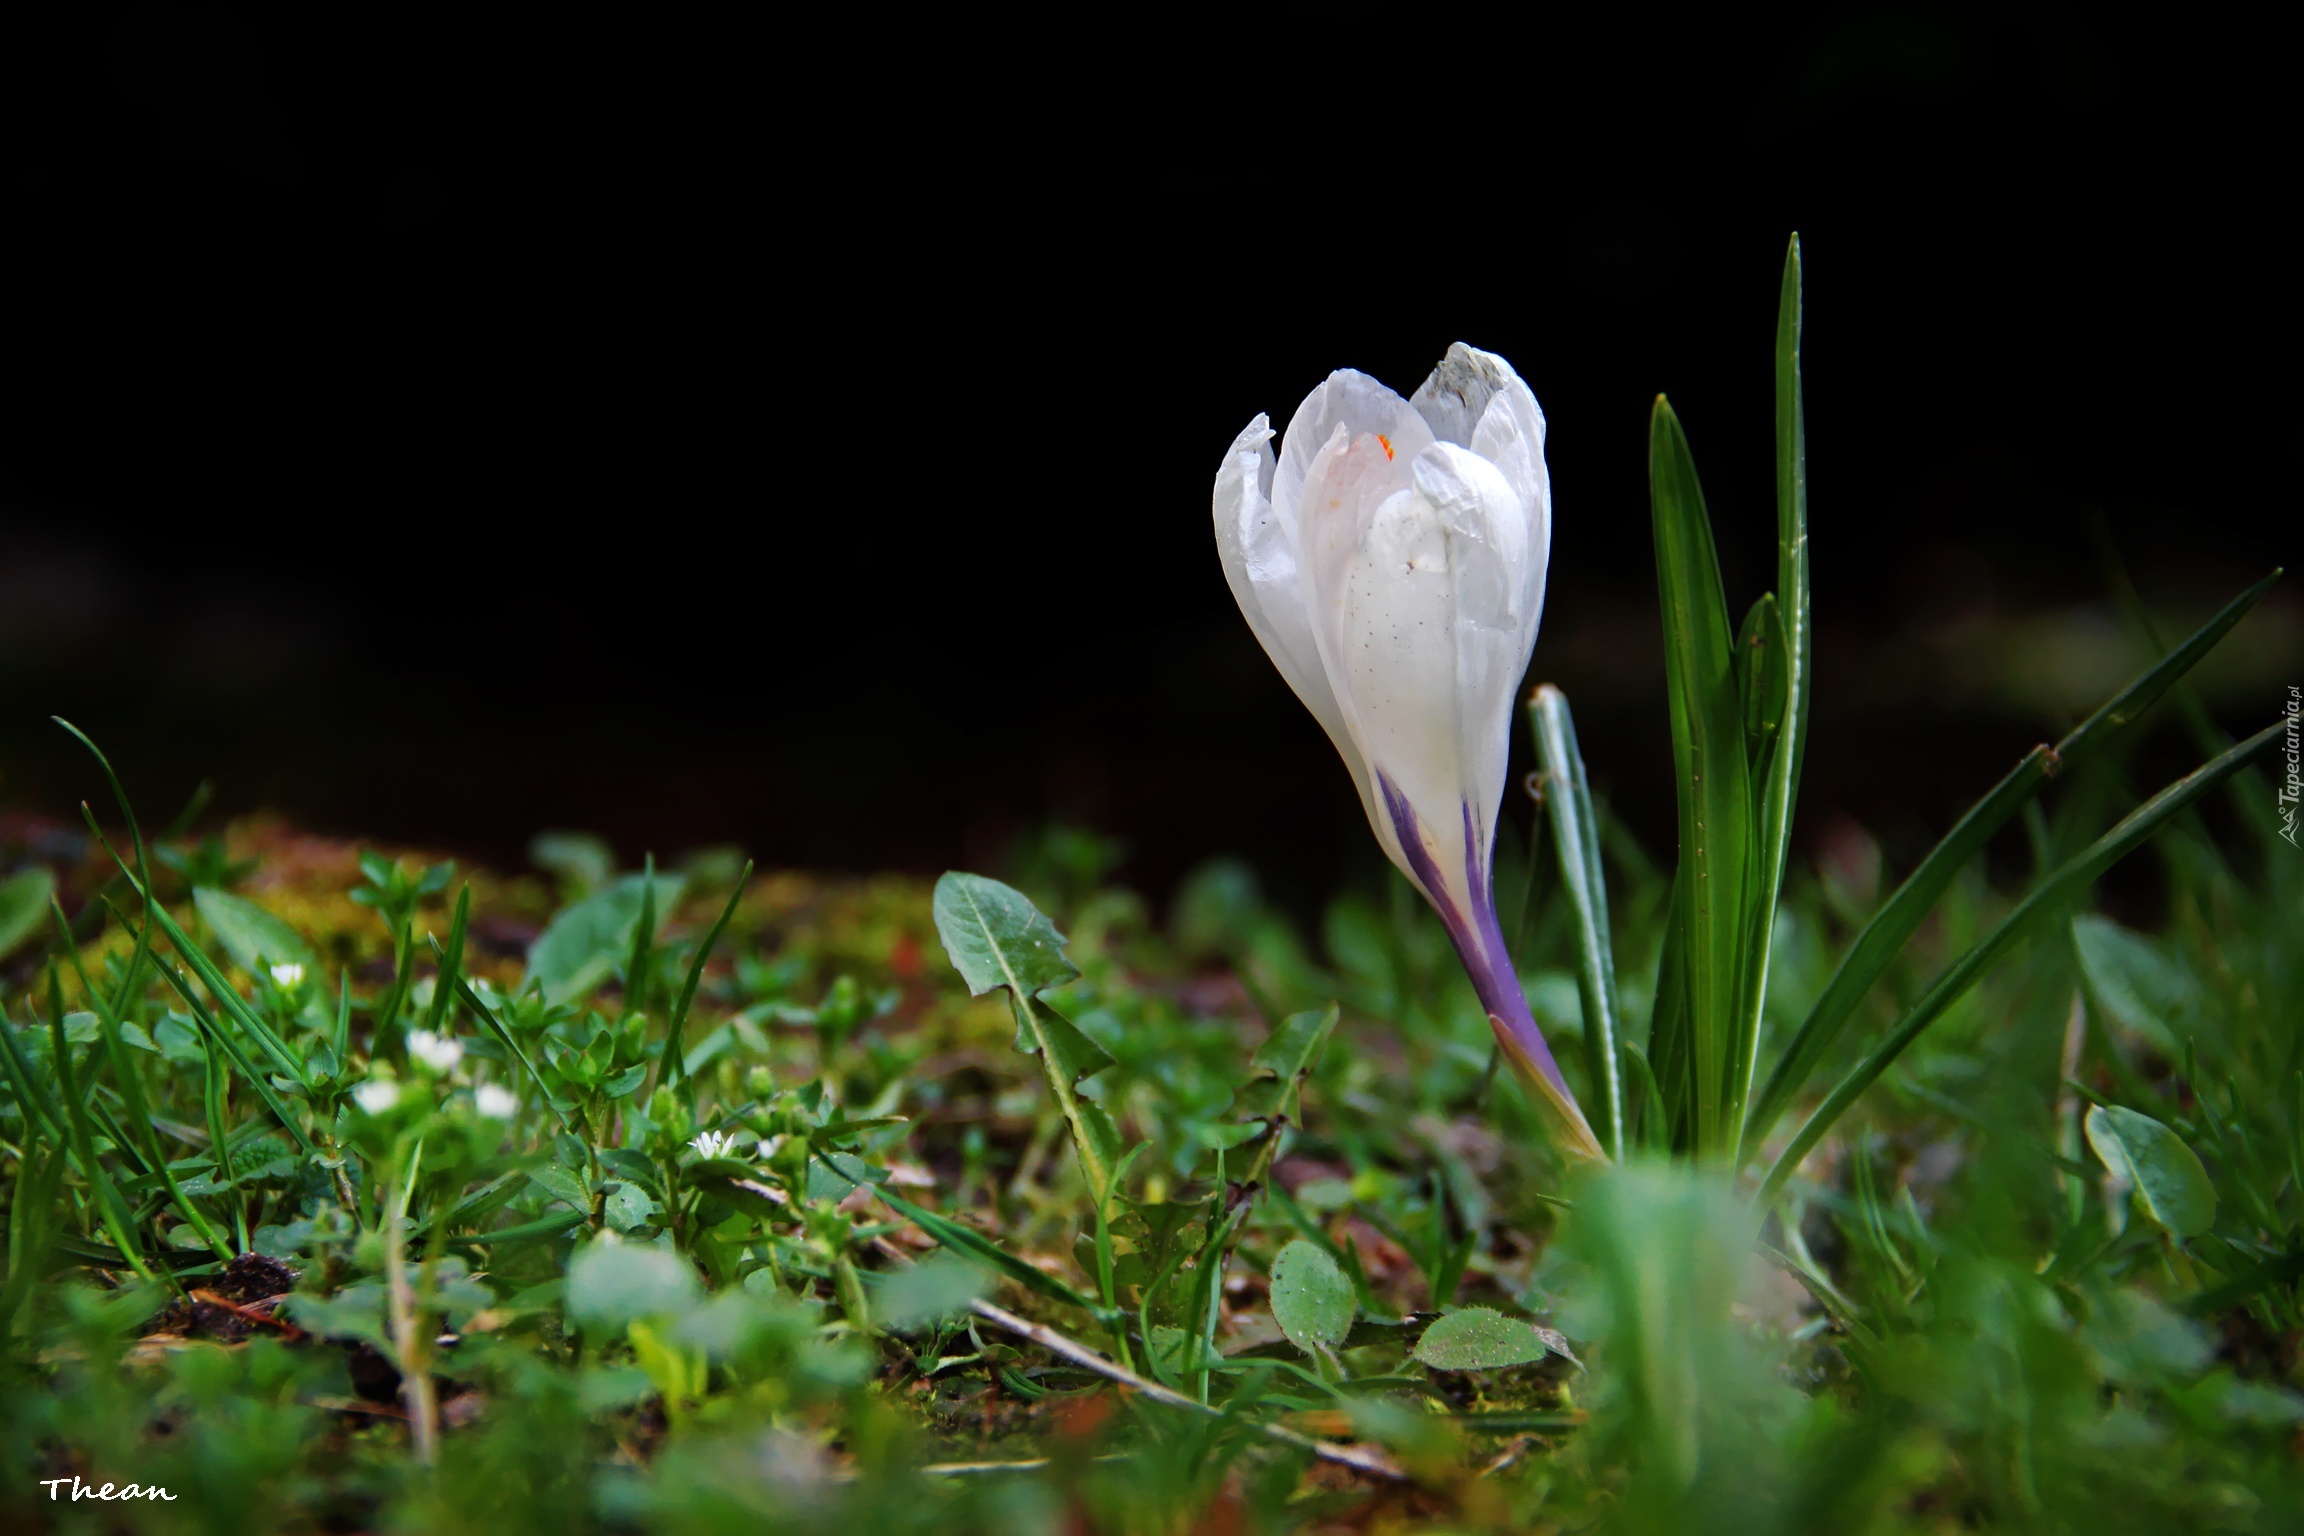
[(288, 973), (376, 1096), (714, 1144), (497, 1103), (439, 1052)]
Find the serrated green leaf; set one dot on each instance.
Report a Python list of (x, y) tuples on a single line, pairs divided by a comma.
[(1283, 1061), (1311, 1298), (1039, 1027), (2166, 1174), (253, 937), (997, 938), (1481, 1339)]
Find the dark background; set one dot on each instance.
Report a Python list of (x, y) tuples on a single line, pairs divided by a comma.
[(441, 430)]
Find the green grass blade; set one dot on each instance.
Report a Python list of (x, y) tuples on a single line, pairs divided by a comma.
[(679, 1024), (30, 1235), (1709, 762), (980, 1250), (487, 1016), (1576, 842), (636, 969), (1884, 937), (542, 1230), (2220, 1297), (110, 1208), (131, 1082), (207, 1021), (1780, 781), (2067, 883), (227, 997), (451, 964)]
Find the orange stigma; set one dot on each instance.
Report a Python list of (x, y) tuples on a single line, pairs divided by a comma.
[(1387, 442)]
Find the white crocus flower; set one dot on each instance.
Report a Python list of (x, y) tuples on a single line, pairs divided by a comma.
[(376, 1096), (495, 1101), (439, 1052), (1391, 560)]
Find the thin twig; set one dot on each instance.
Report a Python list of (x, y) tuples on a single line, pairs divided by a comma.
[(1360, 1458), (247, 1314)]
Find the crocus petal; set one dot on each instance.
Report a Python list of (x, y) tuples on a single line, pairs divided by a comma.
[(1263, 568), (1349, 399), (1415, 604)]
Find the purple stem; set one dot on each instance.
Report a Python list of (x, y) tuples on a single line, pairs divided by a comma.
[(1478, 937)]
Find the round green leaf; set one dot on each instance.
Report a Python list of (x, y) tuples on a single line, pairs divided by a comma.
[(610, 1284), (1480, 1339), (2168, 1179), (1310, 1297)]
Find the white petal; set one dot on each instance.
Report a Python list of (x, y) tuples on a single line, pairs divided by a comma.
[(1490, 555), (1372, 571), (1418, 604), (1263, 567), (1356, 402)]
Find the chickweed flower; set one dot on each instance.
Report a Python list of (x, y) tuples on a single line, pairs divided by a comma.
[(715, 1144), (1391, 560), (376, 1096), (495, 1101), (288, 974), (439, 1052)]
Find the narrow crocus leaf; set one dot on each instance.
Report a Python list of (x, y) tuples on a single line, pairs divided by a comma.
[(997, 938), (1711, 767), (1576, 844), (2062, 886), (1900, 916), (1761, 679), (2153, 1161), (1778, 766)]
